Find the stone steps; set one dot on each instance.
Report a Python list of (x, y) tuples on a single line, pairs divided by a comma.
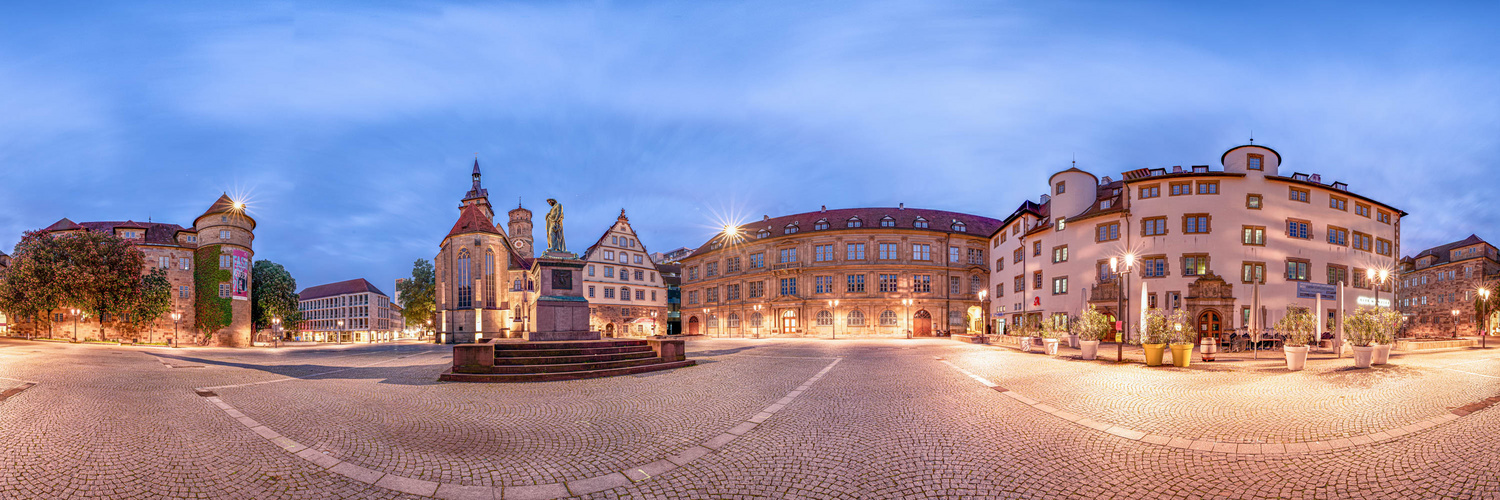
[(537, 353), (584, 358), (575, 375), (575, 367), (562, 360)]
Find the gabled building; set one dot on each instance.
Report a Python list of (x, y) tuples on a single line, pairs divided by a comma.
[(627, 295), (1437, 287)]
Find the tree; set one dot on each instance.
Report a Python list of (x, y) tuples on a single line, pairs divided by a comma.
[(32, 287), (152, 300), (273, 295), (102, 276), (417, 303)]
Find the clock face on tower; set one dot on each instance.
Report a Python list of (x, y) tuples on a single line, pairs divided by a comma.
[(520, 244)]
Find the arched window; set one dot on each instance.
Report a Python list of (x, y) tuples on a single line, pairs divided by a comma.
[(960, 227), (855, 222), (920, 223), (755, 320), (887, 221), (465, 279), (763, 234), (820, 225), (825, 318), (790, 228), (856, 318), (489, 278), (734, 320), (888, 318), (624, 293)]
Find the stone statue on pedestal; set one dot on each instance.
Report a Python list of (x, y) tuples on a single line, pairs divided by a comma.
[(555, 241)]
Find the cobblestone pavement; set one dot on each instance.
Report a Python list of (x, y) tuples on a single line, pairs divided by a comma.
[(755, 419)]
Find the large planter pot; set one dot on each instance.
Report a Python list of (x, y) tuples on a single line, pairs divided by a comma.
[(1382, 354), (1026, 344), (1073, 340), (1296, 357), (1090, 348), (1182, 354), (1363, 355), (1153, 353), (1050, 345)]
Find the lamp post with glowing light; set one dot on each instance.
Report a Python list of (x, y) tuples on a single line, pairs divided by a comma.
[(338, 336), (1122, 276), (1378, 279), (835, 305), (705, 320), (275, 332), (175, 317), (984, 312), (75, 323), (907, 303), (1455, 323), (1484, 317), (758, 319)]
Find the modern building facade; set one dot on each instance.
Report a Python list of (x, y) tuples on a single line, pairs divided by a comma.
[(208, 265), (857, 272), (348, 311), (627, 297), (1438, 285), (475, 263), (1201, 239)]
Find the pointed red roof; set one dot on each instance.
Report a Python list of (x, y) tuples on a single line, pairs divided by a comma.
[(225, 205), (472, 220), (63, 225), (130, 224)]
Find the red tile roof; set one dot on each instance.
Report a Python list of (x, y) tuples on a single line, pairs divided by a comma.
[(62, 225), (358, 285), (224, 205), (473, 220), (156, 232), (838, 219)]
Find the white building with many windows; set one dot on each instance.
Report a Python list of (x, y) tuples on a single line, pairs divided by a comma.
[(627, 297), (1201, 239), (348, 311)]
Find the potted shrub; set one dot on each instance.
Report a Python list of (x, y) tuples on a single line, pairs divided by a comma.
[(1297, 328), (1361, 328), (1027, 334), (1093, 325), (1154, 335), (1181, 336), (1386, 321), (1073, 331), (1052, 334)]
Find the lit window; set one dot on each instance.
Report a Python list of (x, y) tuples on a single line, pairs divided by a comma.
[(854, 222)]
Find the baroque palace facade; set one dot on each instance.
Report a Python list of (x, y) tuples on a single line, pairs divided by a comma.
[(1202, 239), (860, 271), (208, 265), (1438, 287)]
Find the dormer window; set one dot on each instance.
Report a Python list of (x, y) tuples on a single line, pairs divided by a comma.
[(763, 234), (1253, 162), (855, 222), (920, 223), (1199, 169), (790, 228), (960, 227), (1300, 176), (820, 225), (887, 221), (1104, 205), (192, 239)]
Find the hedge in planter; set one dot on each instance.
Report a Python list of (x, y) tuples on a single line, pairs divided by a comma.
[(1297, 328), (1092, 326)]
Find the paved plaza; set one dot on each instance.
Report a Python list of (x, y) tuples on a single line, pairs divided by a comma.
[(755, 419)]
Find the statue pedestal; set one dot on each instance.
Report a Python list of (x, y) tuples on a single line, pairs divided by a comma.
[(562, 312)]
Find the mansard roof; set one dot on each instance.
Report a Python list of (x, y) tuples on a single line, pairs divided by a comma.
[(905, 218), (1443, 254), (357, 285)]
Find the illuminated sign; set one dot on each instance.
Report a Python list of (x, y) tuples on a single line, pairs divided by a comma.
[(1370, 301)]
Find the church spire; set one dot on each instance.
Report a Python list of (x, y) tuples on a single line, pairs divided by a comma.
[(478, 195)]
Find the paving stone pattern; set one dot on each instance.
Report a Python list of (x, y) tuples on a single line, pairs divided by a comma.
[(756, 419)]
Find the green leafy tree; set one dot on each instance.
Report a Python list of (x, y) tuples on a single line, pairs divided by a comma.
[(417, 301), (273, 295), (103, 276), (152, 300), (33, 285)]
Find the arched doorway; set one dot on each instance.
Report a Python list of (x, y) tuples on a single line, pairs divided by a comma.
[(609, 330), (693, 325), (788, 321), (922, 324), (1210, 324)]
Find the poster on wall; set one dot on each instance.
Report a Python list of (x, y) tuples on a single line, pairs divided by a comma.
[(241, 274)]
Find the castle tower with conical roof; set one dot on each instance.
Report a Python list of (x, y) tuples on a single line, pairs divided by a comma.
[(226, 234)]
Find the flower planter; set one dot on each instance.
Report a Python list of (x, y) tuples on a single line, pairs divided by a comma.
[(1073, 340), (1382, 354), (1090, 348), (1025, 344), (1050, 346), (1182, 354), (1153, 353), (1296, 357), (1363, 355)]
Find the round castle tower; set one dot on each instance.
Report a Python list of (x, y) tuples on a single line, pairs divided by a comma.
[(225, 251)]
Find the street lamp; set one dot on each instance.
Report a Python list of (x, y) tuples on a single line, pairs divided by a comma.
[(907, 304), (1455, 323), (757, 321), (75, 323), (275, 332), (175, 317), (338, 336), (705, 320), (1378, 279), (835, 305), (1114, 267), (1484, 320), (983, 311)]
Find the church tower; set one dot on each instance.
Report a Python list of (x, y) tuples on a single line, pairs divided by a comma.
[(479, 195), (520, 231)]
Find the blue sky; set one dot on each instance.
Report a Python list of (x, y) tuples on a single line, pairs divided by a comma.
[(351, 127)]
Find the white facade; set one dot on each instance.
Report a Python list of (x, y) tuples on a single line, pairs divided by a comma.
[(622, 284), (1245, 223), (362, 316)]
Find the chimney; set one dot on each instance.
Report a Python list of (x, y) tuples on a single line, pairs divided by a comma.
[(1318, 178), (824, 209), (765, 218), (1177, 169), (901, 206)]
